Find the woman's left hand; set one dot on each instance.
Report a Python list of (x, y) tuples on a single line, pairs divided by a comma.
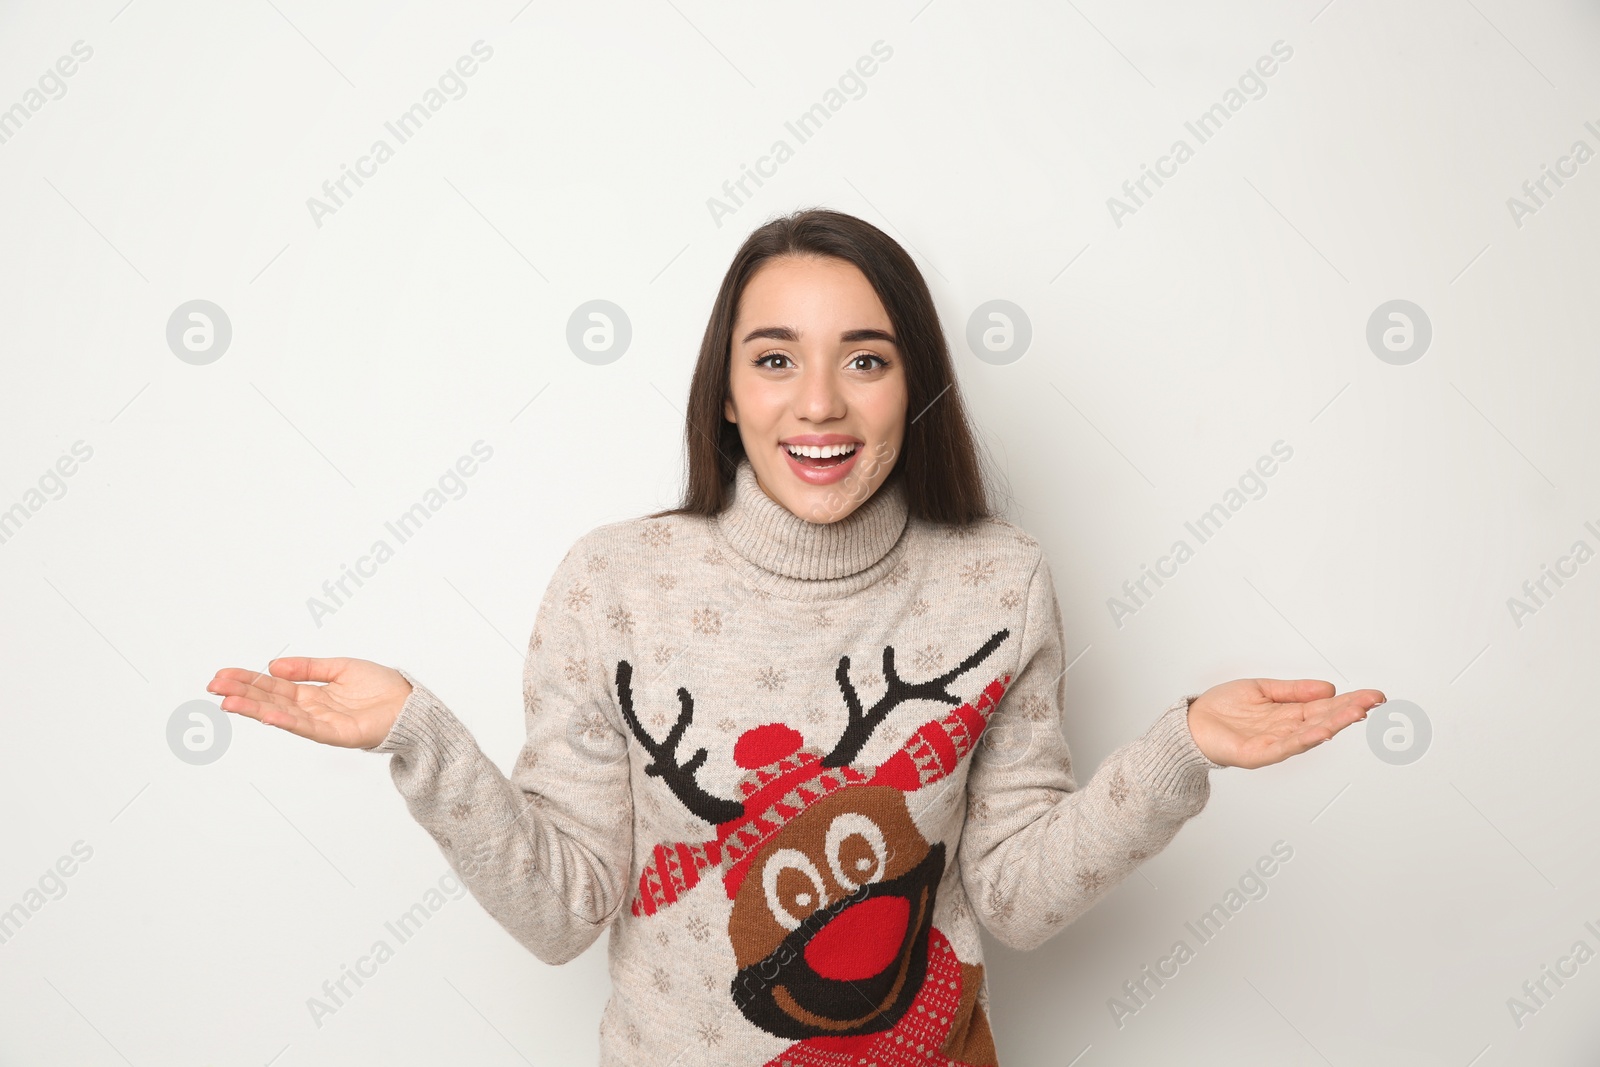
[(1254, 722)]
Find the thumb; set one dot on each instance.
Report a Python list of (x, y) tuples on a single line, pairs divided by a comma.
[(1295, 691), (307, 668)]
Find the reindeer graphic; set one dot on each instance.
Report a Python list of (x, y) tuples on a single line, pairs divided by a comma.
[(833, 885)]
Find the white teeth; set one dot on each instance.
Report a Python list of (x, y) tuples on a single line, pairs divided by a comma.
[(820, 451)]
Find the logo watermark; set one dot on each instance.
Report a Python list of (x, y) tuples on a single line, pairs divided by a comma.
[(851, 85), (199, 332), (1537, 591), (198, 732), (1399, 732), (1138, 992), (52, 485), (337, 192), (598, 332), (999, 332), (1204, 127), (1399, 332), (1537, 192), (52, 85), (337, 992), (1536, 992), (50, 886), (451, 485), (1251, 485)]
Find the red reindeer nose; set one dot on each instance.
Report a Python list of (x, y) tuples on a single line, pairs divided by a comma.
[(863, 940)]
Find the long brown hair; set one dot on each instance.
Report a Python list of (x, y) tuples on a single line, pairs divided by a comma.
[(939, 463)]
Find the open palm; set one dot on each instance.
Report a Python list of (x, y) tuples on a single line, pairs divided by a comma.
[(354, 708), (1253, 722)]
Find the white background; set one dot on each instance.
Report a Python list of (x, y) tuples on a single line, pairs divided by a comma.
[(1168, 353)]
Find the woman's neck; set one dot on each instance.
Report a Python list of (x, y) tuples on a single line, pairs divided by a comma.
[(773, 538)]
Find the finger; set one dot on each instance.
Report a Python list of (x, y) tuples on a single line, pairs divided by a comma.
[(229, 679), (1345, 708), (264, 712), (308, 668), (1295, 690)]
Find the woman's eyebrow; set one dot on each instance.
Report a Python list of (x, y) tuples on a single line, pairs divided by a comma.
[(788, 333)]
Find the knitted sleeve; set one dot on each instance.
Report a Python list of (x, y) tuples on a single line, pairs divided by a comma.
[(547, 851), (1037, 851)]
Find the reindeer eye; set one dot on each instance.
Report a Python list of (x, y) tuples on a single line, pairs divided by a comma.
[(793, 886), (857, 854)]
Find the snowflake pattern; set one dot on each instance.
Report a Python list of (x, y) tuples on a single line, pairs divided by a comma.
[(634, 1037), (706, 620), (663, 655), (711, 1034), (578, 596), (656, 534), (1000, 905), (1138, 855), (771, 678), (699, 929), (460, 810), (713, 556), (1035, 707), (1010, 599), (920, 608), (1091, 881), (538, 639), (1054, 918), (977, 572), (821, 619), (621, 619), (576, 670), (596, 564), (929, 657), (727, 725), (1118, 789), (900, 573), (529, 758), (667, 582), (660, 979)]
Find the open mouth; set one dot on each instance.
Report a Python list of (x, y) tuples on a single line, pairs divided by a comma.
[(863, 992), (821, 457)]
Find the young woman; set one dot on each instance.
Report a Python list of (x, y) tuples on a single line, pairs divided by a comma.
[(795, 740)]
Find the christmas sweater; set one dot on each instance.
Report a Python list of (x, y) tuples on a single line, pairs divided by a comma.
[(792, 767)]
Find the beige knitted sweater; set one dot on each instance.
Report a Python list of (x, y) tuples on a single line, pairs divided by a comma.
[(793, 767)]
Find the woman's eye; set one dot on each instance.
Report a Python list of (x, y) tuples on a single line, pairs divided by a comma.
[(761, 361), (868, 358)]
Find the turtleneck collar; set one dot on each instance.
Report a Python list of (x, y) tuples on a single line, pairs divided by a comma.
[(840, 556)]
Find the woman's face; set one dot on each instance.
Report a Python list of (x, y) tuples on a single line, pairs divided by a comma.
[(815, 369)]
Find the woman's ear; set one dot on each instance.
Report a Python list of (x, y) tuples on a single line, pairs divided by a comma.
[(727, 409)]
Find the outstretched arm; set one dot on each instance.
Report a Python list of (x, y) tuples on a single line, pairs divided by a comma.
[(1037, 851), (547, 851)]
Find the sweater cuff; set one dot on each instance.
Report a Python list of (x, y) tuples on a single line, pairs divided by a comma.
[(424, 722), (1168, 760)]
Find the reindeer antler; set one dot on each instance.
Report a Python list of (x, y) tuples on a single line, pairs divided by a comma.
[(664, 755), (898, 691)]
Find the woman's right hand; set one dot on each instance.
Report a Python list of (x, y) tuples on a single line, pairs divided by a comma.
[(355, 708)]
